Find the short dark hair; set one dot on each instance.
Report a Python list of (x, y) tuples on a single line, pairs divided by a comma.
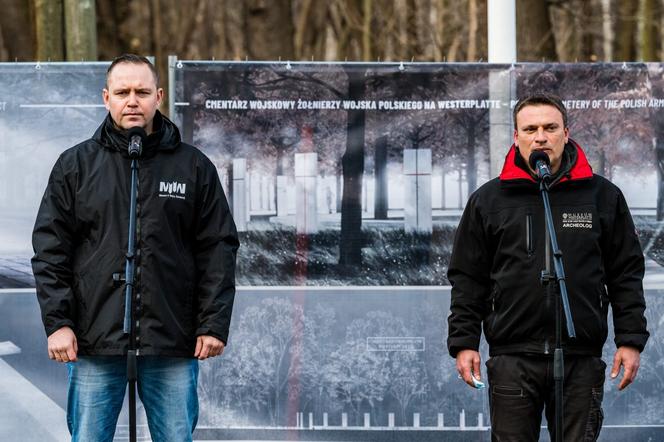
[(135, 59), (541, 99)]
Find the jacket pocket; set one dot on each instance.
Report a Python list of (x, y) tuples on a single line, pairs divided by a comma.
[(494, 306), (603, 310)]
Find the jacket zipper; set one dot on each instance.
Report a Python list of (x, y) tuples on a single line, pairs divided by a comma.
[(136, 293)]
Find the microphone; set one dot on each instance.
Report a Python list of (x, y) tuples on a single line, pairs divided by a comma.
[(136, 136), (539, 162)]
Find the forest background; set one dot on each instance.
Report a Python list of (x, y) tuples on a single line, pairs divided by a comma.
[(333, 30)]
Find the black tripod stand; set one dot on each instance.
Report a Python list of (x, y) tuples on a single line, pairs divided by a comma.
[(136, 136), (551, 280)]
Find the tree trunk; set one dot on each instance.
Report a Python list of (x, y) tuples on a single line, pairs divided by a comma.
[(413, 48), (350, 242), (4, 54), (659, 153), (472, 31), (601, 163), (48, 30), (156, 42), (17, 30), (380, 161), (109, 16), (442, 187), (339, 175), (625, 50), (218, 25), (585, 45), (237, 35), (440, 29), (483, 30), (607, 31), (661, 29), (366, 30), (80, 30), (269, 30), (471, 166), (303, 18), (647, 30), (341, 31), (535, 40), (385, 32), (460, 182)]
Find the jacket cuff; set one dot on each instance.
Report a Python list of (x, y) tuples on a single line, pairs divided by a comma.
[(636, 340), (204, 331), (457, 344), (52, 328)]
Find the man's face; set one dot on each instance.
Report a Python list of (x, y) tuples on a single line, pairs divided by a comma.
[(132, 96), (540, 127)]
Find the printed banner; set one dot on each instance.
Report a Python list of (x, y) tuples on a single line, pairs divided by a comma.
[(45, 108), (347, 182), (356, 174)]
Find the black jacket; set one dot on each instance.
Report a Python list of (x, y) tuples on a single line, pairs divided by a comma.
[(499, 254), (186, 245)]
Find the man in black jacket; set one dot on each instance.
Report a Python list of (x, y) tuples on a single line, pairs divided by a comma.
[(499, 253), (186, 245)]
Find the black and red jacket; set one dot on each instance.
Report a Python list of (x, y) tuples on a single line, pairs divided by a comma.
[(499, 253)]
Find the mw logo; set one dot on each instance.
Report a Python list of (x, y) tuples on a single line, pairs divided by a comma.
[(172, 187)]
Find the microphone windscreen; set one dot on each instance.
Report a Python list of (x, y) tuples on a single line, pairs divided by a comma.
[(537, 156), (136, 130)]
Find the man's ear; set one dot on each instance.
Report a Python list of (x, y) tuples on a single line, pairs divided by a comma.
[(105, 96), (160, 96)]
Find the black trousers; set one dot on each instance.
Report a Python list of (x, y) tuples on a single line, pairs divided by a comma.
[(522, 386)]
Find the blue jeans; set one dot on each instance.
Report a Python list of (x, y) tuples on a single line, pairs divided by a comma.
[(166, 386)]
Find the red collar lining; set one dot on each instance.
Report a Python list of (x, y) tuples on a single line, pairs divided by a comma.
[(580, 170)]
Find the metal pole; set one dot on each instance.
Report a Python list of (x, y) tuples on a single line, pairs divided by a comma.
[(501, 24), (172, 60), (501, 19), (557, 279), (129, 329)]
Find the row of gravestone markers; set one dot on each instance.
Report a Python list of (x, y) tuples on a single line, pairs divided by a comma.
[(309, 422), (417, 168)]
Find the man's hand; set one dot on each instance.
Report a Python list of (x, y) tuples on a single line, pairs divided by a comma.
[(628, 357), (208, 347), (62, 345), (467, 362)]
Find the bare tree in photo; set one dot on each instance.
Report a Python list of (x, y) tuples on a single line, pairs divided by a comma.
[(262, 351)]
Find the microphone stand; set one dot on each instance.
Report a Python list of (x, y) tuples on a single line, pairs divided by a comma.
[(556, 278), (130, 266)]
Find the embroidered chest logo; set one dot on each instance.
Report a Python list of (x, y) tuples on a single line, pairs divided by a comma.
[(172, 189), (578, 220)]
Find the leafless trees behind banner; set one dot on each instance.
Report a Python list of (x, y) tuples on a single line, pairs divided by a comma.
[(367, 30)]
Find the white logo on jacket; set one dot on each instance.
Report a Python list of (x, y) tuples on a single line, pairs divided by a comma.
[(172, 189), (579, 220)]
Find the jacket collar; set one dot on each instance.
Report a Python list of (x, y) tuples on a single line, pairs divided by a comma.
[(165, 137), (575, 166)]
